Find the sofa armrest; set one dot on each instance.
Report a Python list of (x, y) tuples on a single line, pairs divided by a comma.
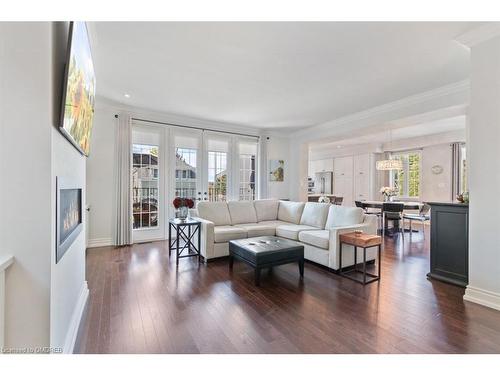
[(207, 238), (369, 226)]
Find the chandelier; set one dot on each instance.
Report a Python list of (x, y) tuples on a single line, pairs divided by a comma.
[(389, 165)]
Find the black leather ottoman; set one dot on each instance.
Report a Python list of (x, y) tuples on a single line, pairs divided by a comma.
[(266, 252)]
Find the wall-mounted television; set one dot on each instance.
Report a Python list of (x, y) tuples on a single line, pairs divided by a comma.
[(79, 89)]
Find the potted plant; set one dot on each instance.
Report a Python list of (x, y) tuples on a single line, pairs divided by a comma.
[(182, 205), (388, 192)]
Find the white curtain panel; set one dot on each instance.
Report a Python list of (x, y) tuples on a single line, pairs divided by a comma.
[(455, 171), (123, 190)]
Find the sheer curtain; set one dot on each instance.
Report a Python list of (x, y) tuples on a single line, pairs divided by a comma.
[(456, 149), (123, 196)]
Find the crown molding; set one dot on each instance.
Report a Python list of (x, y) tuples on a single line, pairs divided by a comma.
[(409, 101), (479, 34)]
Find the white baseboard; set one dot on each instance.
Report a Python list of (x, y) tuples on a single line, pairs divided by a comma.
[(100, 242), (482, 297), (76, 317)]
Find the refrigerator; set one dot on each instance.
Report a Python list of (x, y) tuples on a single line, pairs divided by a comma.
[(323, 183)]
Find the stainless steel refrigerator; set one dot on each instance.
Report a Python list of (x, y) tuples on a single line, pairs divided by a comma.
[(323, 183)]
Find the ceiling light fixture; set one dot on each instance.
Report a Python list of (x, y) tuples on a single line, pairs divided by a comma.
[(389, 164), (126, 95)]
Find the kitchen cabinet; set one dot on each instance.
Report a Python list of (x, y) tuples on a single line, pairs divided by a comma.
[(343, 179), (363, 177), (322, 165)]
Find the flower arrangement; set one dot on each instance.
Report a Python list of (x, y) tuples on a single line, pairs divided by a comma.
[(387, 192), (183, 202), (464, 197), (183, 205), (323, 199)]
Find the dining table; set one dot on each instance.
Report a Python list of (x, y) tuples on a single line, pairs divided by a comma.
[(408, 205)]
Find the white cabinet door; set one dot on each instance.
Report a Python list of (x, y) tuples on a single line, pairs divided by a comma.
[(343, 179), (362, 177), (323, 165)]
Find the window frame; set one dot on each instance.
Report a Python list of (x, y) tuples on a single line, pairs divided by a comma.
[(153, 176), (243, 157), (406, 169)]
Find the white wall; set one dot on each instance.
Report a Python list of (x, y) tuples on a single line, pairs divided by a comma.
[(69, 290), (25, 170), (278, 148), (41, 297), (100, 177), (484, 175)]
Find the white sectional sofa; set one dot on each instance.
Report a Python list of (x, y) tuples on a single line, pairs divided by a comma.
[(316, 225)]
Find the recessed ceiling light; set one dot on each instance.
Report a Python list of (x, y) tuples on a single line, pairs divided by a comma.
[(126, 95), (339, 146)]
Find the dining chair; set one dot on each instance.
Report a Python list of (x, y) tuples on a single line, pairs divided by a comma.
[(367, 210), (422, 217), (393, 212)]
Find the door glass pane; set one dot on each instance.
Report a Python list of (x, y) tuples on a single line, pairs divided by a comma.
[(217, 176), (145, 184), (247, 177), (185, 173)]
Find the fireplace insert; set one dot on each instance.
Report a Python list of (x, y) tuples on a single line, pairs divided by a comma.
[(69, 220)]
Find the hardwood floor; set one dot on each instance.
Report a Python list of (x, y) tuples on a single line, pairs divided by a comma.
[(141, 303)]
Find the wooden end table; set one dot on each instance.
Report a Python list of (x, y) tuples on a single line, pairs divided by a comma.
[(364, 241), (193, 227)]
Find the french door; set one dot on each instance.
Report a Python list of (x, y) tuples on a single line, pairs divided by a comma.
[(197, 164), (200, 165)]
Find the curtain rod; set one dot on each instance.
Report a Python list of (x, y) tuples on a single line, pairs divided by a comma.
[(193, 127)]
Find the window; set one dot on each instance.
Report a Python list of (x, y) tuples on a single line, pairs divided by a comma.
[(217, 176), (407, 180), (185, 172), (145, 185)]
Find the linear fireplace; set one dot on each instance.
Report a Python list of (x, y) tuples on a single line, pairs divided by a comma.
[(69, 216)]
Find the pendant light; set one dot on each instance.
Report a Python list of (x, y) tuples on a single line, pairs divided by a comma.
[(389, 164)]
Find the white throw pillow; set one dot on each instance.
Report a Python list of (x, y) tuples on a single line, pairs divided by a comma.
[(315, 214), (216, 212), (290, 211), (266, 209), (341, 216), (242, 212)]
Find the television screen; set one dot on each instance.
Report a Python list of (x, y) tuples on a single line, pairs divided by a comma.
[(79, 89)]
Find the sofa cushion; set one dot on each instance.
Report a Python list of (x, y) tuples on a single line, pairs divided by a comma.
[(258, 230), (242, 212), (216, 212), (340, 216), (318, 238), (292, 231), (290, 211), (266, 209), (315, 214), (273, 223), (226, 233)]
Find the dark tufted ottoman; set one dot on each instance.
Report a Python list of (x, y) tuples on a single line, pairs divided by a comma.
[(266, 252)]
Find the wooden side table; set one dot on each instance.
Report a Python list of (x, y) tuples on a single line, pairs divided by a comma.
[(364, 241), (193, 227)]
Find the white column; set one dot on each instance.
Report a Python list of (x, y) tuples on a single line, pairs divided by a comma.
[(484, 172)]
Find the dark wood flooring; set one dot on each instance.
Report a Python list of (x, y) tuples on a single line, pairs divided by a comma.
[(141, 303)]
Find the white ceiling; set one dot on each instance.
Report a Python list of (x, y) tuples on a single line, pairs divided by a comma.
[(274, 75), (390, 135)]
